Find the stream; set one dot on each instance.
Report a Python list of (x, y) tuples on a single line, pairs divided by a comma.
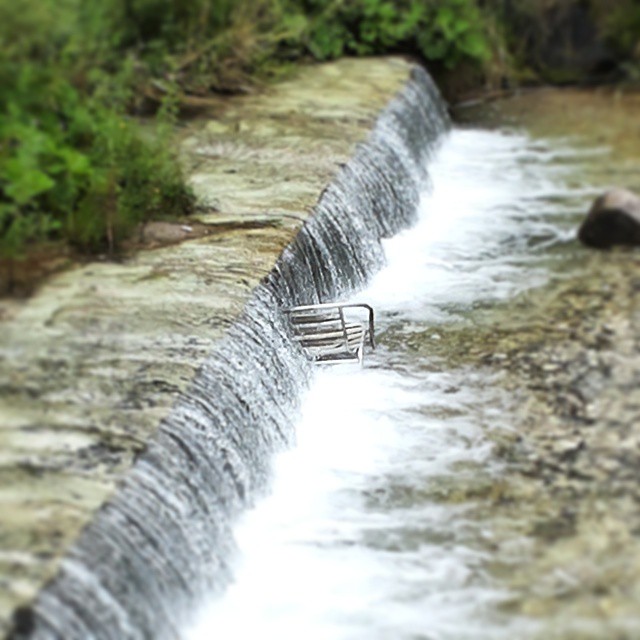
[(376, 526)]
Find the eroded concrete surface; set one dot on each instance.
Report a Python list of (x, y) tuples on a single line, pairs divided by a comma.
[(93, 361)]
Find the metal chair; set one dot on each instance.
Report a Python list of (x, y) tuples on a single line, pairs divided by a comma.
[(333, 333)]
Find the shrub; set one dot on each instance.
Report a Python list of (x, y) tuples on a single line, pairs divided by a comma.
[(73, 168), (72, 165), (444, 31)]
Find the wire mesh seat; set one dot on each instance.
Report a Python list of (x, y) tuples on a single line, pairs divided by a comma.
[(333, 333)]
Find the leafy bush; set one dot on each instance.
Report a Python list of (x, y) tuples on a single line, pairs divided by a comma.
[(445, 31), (72, 165), (620, 22)]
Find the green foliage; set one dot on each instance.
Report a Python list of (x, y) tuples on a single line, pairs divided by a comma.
[(133, 180), (446, 31), (72, 165), (457, 32), (620, 22)]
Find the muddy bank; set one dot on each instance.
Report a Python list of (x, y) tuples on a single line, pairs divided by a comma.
[(91, 364)]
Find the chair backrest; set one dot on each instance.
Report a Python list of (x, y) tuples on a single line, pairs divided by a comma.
[(333, 332)]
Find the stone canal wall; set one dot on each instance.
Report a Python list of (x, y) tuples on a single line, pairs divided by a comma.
[(94, 361)]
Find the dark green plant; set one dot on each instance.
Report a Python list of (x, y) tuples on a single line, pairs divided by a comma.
[(71, 167), (446, 31), (454, 31), (620, 24)]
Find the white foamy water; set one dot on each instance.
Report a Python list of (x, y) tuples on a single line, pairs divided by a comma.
[(493, 210), (352, 542)]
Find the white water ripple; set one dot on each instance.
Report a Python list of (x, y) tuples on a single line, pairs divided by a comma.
[(351, 545)]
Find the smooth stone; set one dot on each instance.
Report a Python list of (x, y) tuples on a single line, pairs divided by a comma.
[(614, 219)]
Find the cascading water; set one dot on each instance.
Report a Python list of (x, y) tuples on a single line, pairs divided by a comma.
[(165, 540), (355, 540)]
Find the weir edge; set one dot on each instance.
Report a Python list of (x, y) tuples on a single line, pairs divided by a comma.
[(163, 541)]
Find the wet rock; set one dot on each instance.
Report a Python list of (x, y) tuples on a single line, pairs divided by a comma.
[(614, 219)]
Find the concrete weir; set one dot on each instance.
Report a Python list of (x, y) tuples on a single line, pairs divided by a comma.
[(141, 402)]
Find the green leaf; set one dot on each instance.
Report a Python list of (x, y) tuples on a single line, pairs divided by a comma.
[(24, 182), (445, 21), (77, 163), (387, 12), (474, 45)]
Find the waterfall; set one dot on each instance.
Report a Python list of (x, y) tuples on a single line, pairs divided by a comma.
[(164, 540)]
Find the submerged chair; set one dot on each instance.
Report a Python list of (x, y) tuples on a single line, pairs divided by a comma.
[(333, 333)]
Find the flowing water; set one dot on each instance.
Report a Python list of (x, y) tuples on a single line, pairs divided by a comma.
[(163, 542), (460, 485), (371, 528)]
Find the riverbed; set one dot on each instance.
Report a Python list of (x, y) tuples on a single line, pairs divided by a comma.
[(478, 477)]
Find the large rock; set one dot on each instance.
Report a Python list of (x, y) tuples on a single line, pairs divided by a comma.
[(614, 218)]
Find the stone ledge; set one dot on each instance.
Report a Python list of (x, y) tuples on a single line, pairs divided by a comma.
[(91, 364)]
